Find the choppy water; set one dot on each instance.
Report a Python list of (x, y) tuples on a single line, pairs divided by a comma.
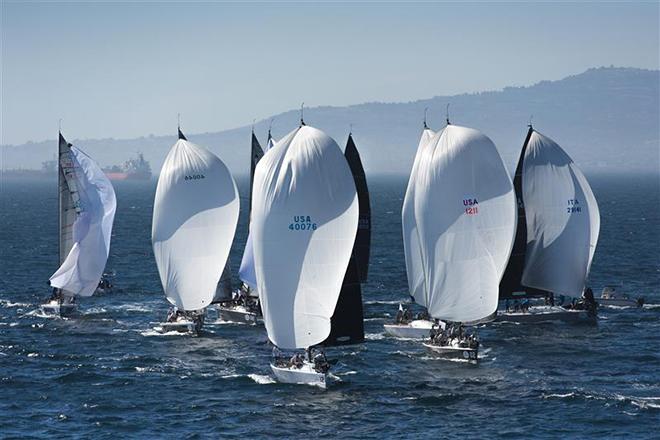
[(106, 374)]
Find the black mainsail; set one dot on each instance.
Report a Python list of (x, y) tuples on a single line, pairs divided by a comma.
[(255, 156), (511, 286), (347, 323)]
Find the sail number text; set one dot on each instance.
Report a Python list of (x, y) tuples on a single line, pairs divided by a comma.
[(195, 177), (470, 205), (302, 223), (573, 206)]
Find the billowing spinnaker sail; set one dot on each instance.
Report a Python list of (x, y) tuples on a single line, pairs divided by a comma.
[(246, 271), (465, 211), (194, 222), (304, 221), (414, 268), (87, 204), (562, 219)]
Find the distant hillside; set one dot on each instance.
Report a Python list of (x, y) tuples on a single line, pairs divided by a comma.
[(606, 118)]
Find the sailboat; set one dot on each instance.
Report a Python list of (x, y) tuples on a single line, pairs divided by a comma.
[(558, 225), (464, 218), (86, 205), (194, 222), (407, 326), (347, 322), (242, 306), (304, 220)]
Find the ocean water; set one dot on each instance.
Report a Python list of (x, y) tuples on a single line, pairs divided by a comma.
[(108, 375)]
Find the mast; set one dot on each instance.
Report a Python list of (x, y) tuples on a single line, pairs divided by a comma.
[(510, 286)]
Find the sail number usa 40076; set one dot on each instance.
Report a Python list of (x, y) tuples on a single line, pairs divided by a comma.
[(302, 223)]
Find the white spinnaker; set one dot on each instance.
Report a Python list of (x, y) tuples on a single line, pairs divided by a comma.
[(194, 222), (94, 205), (562, 216), (414, 267), (246, 271), (465, 211), (304, 221)]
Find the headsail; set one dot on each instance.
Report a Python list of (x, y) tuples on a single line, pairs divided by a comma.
[(465, 215), (87, 207), (305, 216), (411, 243), (562, 219), (194, 222), (347, 323)]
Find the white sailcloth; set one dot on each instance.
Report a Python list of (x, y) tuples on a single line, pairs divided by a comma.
[(90, 204), (305, 217), (194, 222), (562, 217), (465, 214), (414, 267), (246, 271)]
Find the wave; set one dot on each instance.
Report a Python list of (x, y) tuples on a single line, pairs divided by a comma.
[(385, 302), (7, 303), (261, 379), (374, 336), (645, 403), (153, 332)]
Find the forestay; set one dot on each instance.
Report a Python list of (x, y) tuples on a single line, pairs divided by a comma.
[(87, 212), (194, 222), (465, 214), (562, 216), (305, 216), (414, 267)]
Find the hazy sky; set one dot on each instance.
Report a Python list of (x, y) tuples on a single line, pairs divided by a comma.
[(124, 70)]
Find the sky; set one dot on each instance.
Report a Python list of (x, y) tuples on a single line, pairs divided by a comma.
[(124, 70)]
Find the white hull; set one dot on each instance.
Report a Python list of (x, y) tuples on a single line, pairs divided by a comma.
[(306, 375), (417, 329), (56, 309), (182, 326), (237, 314), (449, 352), (545, 314), (617, 302)]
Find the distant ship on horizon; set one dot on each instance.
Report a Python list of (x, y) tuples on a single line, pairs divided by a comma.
[(133, 169)]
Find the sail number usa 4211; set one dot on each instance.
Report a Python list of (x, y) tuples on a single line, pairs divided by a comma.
[(302, 223)]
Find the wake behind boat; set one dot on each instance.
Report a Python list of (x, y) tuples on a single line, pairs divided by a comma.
[(194, 222), (556, 237), (86, 207)]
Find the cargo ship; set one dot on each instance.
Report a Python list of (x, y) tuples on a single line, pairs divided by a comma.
[(133, 169)]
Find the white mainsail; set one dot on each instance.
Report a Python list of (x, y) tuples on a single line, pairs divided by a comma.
[(414, 267), (562, 219), (194, 222), (305, 218), (464, 210), (87, 211), (246, 271)]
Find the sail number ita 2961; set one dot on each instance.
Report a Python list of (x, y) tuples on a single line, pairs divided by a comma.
[(302, 223)]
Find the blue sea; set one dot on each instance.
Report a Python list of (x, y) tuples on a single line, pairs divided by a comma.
[(107, 375)]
